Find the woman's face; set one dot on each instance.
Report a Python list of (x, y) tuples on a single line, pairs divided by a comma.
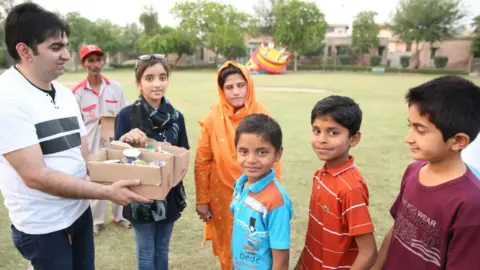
[(154, 83), (235, 90)]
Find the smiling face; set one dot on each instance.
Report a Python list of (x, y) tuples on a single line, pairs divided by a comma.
[(256, 156), (235, 90), (153, 83), (332, 141), (51, 57)]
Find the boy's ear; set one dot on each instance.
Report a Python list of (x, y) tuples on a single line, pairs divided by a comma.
[(355, 139), (278, 155), (459, 142)]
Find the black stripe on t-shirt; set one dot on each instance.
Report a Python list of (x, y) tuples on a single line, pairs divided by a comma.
[(61, 144), (56, 126)]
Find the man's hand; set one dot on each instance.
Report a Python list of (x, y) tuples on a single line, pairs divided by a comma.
[(135, 136), (119, 193), (29, 164), (202, 211)]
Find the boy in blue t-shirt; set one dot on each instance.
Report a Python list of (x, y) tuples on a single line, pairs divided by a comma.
[(261, 207)]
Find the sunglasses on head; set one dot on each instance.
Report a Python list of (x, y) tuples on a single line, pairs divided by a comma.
[(147, 57)]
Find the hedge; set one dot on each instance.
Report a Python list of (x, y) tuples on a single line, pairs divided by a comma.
[(405, 61), (387, 69), (132, 66), (351, 68), (375, 61), (345, 59), (440, 61), (120, 66)]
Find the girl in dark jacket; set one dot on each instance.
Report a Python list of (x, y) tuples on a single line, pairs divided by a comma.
[(153, 116)]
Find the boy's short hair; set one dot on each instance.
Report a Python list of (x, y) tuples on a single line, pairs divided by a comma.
[(30, 24), (343, 110), (451, 103), (261, 125)]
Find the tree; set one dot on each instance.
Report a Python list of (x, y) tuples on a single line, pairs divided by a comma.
[(230, 42), (80, 32), (106, 35), (103, 33), (300, 26), (149, 20), (476, 40), (264, 10), (365, 32), (153, 44), (170, 41), (426, 21), (476, 24), (181, 43), (130, 35), (208, 19), (5, 7)]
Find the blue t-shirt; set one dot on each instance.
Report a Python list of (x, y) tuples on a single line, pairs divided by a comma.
[(261, 222)]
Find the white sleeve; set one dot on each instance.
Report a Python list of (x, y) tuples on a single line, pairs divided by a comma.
[(78, 97), (75, 99), (17, 128), (123, 100), (81, 124)]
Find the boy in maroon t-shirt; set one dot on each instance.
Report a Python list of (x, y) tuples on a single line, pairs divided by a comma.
[(437, 213)]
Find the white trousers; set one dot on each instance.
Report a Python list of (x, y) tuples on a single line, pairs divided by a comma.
[(99, 211)]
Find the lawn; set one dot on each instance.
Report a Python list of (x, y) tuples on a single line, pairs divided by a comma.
[(381, 155)]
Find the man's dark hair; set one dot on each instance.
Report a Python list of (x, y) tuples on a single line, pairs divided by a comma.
[(261, 125), (31, 24), (451, 103), (342, 110)]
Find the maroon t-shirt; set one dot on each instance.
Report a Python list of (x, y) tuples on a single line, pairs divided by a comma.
[(435, 227)]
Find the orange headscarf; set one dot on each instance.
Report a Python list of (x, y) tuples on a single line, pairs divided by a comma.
[(214, 186), (223, 122)]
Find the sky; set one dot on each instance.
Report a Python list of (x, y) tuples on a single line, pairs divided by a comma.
[(127, 11)]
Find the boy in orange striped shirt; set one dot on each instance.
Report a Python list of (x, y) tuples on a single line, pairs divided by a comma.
[(340, 230)]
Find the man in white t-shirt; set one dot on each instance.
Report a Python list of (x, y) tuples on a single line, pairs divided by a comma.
[(98, 96), (43, 150), (471, 156)]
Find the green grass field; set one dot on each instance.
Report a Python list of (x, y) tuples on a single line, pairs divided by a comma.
[(381, 155)]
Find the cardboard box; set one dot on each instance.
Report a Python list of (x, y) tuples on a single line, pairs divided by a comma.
[(181, 156), (108, 129), (182, 159), (156, 182)]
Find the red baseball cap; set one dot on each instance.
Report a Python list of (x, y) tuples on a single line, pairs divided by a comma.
[(88, 49)]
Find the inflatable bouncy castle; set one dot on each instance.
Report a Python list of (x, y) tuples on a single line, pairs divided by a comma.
[(268, 60)]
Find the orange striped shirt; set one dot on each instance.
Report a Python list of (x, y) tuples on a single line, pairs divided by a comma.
[(338, 212)]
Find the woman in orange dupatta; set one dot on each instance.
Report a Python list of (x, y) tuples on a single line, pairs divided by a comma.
[(216, 168)]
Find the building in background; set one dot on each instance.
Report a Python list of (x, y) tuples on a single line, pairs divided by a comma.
[(391, 48)]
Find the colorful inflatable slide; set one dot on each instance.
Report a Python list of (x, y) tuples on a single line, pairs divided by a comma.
[(268, 60)]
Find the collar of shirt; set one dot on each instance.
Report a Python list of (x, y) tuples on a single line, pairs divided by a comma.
[(349, 164), (257, 186), (86, 84)]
